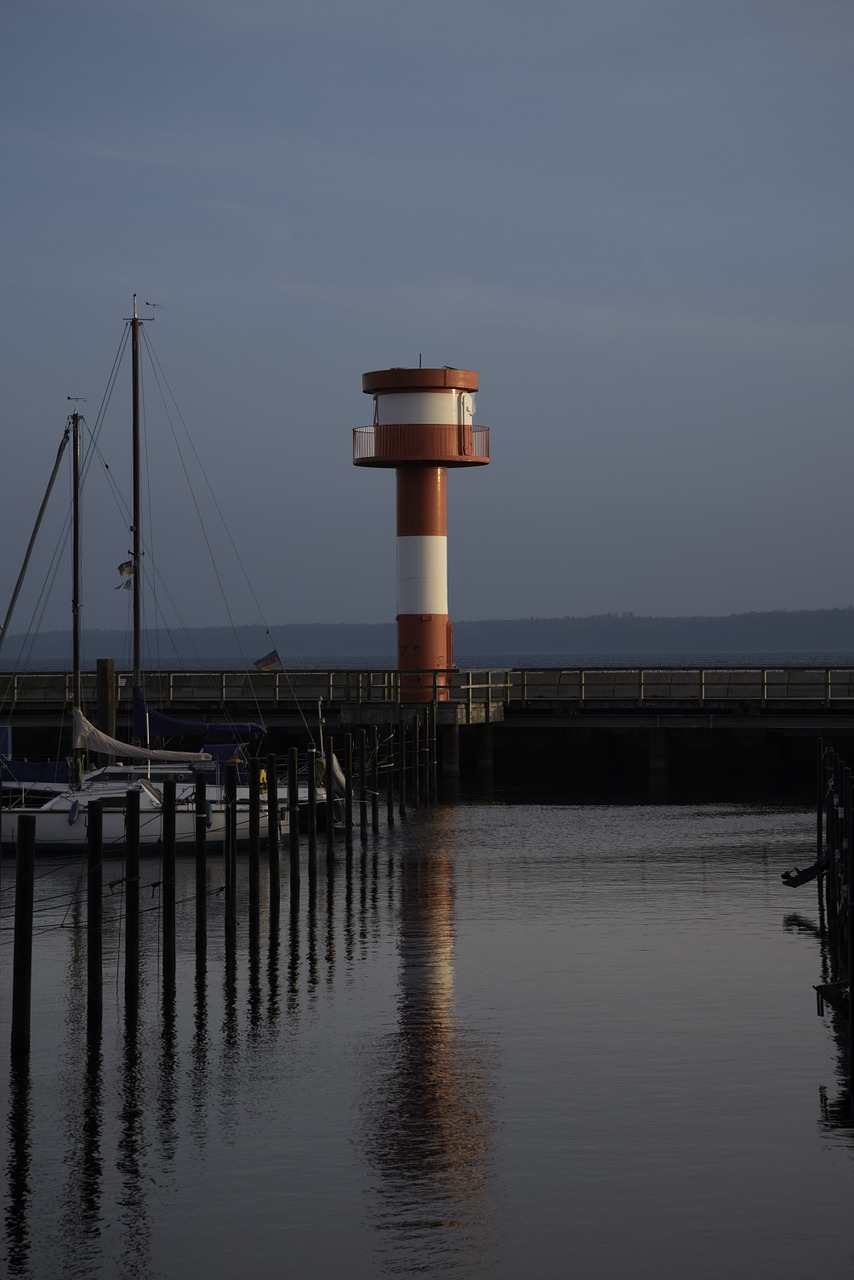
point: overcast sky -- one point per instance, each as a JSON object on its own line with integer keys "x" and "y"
{"x": 632, "y": 217}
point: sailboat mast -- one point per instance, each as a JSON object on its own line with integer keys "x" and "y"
{"x": 76, "y": 558}
{"x": 137, "y": 510}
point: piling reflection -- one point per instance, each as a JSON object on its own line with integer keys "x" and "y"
{"x": 273, "y": 1007}
{"x": 430, "y": 1118}
{"x": 167, "y": 1093}
{"x": 134, "y": 1217}
{"x": 293, "y": 959}
{"x": 229, "y": 1057}
{"x": 199, "y": 1069}
{"x": 83, "y": 1216}
{"x": 835, "y": 1112}
{"x": 17, "y": 1224}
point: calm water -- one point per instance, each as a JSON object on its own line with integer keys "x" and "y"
{"x": 509, "y": 1041}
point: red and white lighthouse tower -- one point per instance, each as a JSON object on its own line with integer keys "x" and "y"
{"x": 423, "y": 424}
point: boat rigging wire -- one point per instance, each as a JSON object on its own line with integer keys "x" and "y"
{"x": 20, "y": 582}
{"x": 163, "y": 382}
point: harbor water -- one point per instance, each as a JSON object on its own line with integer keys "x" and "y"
{"x": 499, "y": 1040}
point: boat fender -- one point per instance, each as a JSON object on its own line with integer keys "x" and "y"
{"x": 73, "y": 812}
{"x": 208, "y": 814}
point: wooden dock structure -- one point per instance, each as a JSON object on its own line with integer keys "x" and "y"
{"x": 662, "y": 731}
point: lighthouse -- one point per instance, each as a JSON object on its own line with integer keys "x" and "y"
{"x": 423, "y": 424}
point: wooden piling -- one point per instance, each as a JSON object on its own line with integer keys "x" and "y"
{"x": 434, "y": 753}
{"x": 169, "y": 850}
{"x": 311, "y": 770}
{"x": 348, "y": 790}
{"x": 849, "y": 917}
{"x": 94, "y": 918}
{"x": 254, "y": 840}
{"x": 273, "y": 830}
{"x": 230, "y": 851}
{"x": 832, "y": 886}
{"x": 293, "y": 814}
{"x": 105, "y": 697}
{"x": 200, "y": 808}
{"x": 375, "y": 780}
{"x": 22, "y": 963}
{"x": 131, "y": 902}
{"x": 819, "y": 813}
{"x": 329, "y": 780}
{"x": 401, "y": 774}
{"x": 363, "y": 785}
{"x": 389, "y": 777}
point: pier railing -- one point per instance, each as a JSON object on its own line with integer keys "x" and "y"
{"x": 637, "y": 686}
{"x": 696, "y": 686}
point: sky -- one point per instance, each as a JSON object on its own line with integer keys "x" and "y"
{"x": 631, "y": 217}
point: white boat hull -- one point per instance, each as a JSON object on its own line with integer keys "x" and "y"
{"x": 62, "y": 824}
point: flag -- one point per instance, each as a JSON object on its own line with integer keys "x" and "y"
{"x": 270, "y": 662}
{"x": 126, "y": 570}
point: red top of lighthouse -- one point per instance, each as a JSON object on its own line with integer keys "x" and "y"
{"x": 383, "y": 380}
{"x": 422, "y": 417}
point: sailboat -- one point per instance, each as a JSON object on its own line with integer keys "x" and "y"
{"x": 61, "y": 811}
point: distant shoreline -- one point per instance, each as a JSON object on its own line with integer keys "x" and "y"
{"x": 822, "y": 636}
{"x": 475, "y": 662}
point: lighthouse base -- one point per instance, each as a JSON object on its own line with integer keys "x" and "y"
{"x": 424, "y": 656}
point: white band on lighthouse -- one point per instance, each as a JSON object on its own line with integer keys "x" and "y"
{"x": 422, "y": 574}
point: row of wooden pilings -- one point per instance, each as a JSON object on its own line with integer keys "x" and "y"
{"x": 399, "y": 768}
{"x": 835, "y": 840}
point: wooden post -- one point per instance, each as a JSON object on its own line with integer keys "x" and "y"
{"x": 329, "y": 779}
{"x": 819, "y": 816}
{"x": 293, "y": 814}
{"x": 401, "y": 775}
{"x": 389, "y": 777}
{"x": 831, "y": 887}
{"x": 254, "y": 840}
{"x": 22, "y": 963}
{"x": 311, "y": 768}
{"x": 849, "y": 916}
{"x": 132, "y": 902}
{"x": 230, "y": 851}
{"x": 273, "y": 830}
{"x": 434, "y": 752}
{"x": 94, "y": 918}
{"x": 105, "y": 697}
{"x": 348, "y": 790}
{"x": 201, "y": 831}
{"x": 375, "y": 780}
{"x": 416, "y": 761}
{"x": 363, "y": 785}
{"x": 169, "y": 879}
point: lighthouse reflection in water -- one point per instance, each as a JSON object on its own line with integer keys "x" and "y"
{"x": 429, "y": 1106}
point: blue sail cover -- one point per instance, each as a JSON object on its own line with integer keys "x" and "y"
{"x": 34, "y": 770}
{"x": 151, "y": 724}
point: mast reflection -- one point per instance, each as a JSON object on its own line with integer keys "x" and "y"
{"x": 430, "y": 1110}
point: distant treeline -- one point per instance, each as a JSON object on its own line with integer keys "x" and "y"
{"x": 802, "y": 631}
